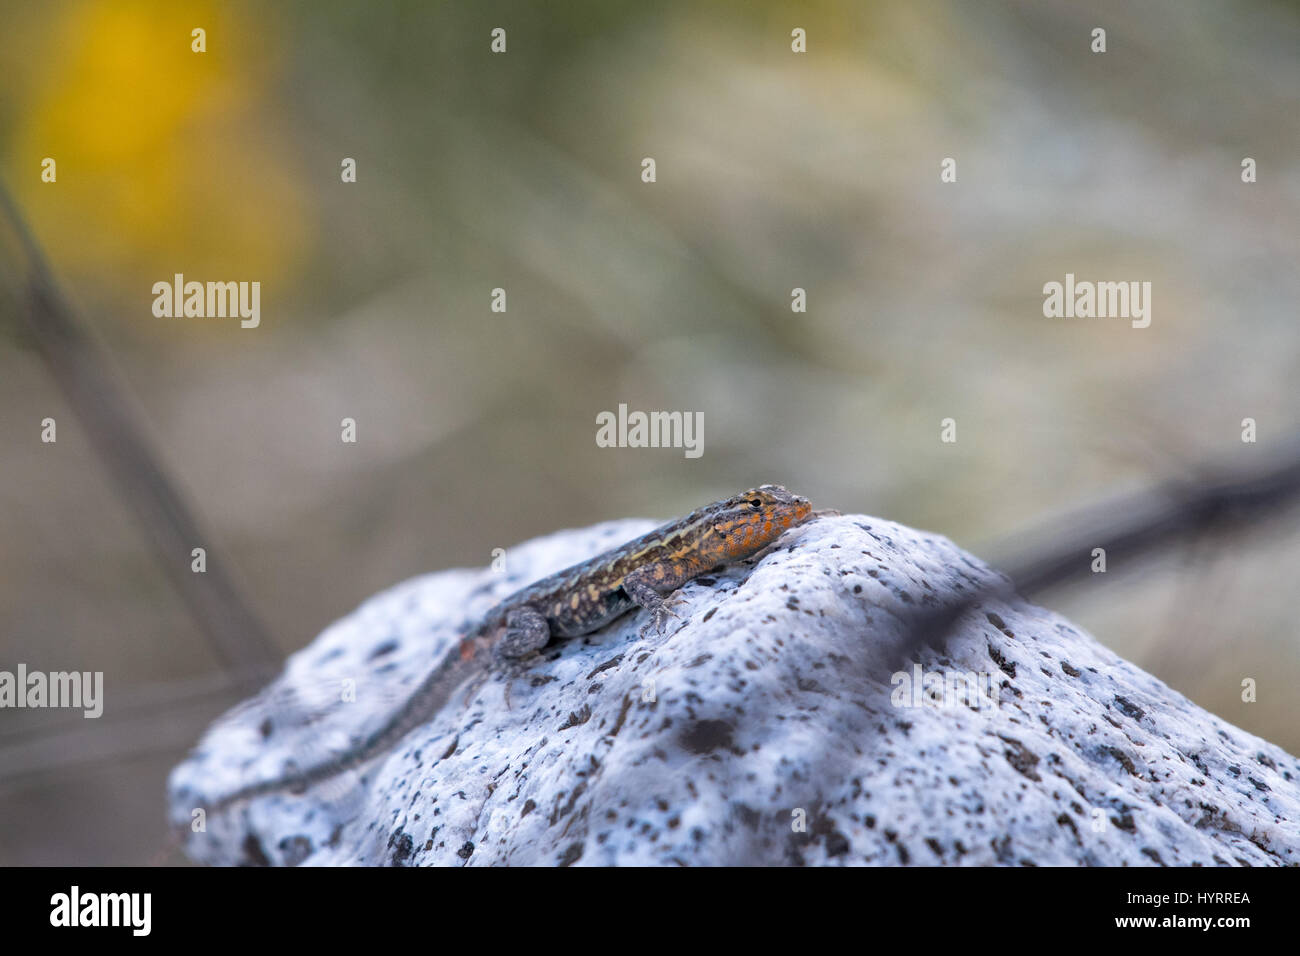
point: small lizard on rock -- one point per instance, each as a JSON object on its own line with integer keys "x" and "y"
{"x": 576, "y": 601}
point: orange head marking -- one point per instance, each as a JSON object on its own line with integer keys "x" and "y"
{"x": 751, "y": 521}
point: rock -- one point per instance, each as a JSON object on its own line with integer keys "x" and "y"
{"x": 761, "y": 732}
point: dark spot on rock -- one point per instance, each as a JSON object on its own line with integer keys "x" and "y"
{"x": 529, "y": 806}
{"x": 576, "y": 717}
{"x": 1021, "y": 758}
{"x": 997, "y": 622}
{"x": 622, "y": 715}
{"x": 466, "y": 850}
{"x": 1149, "y": 851}
{"x": 387, "y": 647}
{"x": 1124, "y": 759}
{"x": 1128, "y": 708}
{"x": 1125, "y": 822}
{"x": 402, "y": 846}
{"x": 1208, "y": 817}
{"x": 1065, "y": 821}
{"x": 295, "y": 848}
{"x": 1072, "y": 671}
{"x": 265, "y": 727}
{"x": 708, "y": 615}
{"x": 1002, "y": 848}
{"x": 705, "y": 736}
{"x": 837, "y": 844}
{"x": 561, "y": 811}
{"x": 1265, "y": 760}
{"x": 1007, "y": 667}
{"x": 748, "y": 815}
{"x": 451, "y": 749}
{"x": 612, "y": 662}
{"x": 253, "y": 852}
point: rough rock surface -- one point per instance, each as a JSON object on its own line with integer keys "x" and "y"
{"x": 759, "y": 733}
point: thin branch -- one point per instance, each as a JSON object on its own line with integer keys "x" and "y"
{"x": 1130, "y": 529}
{"x": 83, "y": 368}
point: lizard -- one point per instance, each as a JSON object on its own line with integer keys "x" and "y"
{"x": 642, "y": 573}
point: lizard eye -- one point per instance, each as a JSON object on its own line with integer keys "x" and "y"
{"x": 755, "y": 503}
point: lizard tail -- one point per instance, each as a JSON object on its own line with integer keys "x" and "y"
{"x": 470, "y": 657}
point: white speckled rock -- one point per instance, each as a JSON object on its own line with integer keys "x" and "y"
{"x": 755, "y": 734}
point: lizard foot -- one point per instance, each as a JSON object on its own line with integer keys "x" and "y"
{"x": 473, "y": 687}
{"x": 659, "y": 618}
{"x": 513, "y": 669}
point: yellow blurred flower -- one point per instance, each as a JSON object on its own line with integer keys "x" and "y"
{"x": 168, "y": 160}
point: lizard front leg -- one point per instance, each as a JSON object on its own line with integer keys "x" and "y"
{"x": 647, "y": 586}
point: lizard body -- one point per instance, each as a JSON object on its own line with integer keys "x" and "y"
{"x": 575, "y": 601}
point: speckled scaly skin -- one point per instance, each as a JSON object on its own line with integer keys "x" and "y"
{"x": 578, "y": 600}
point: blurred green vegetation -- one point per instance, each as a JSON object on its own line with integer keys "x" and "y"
{"x": 522, "y": 171}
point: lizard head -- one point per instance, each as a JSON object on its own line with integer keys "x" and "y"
{"x": 751, "y": 521}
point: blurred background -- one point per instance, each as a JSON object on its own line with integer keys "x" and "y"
{"x": 522, "y": 171}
